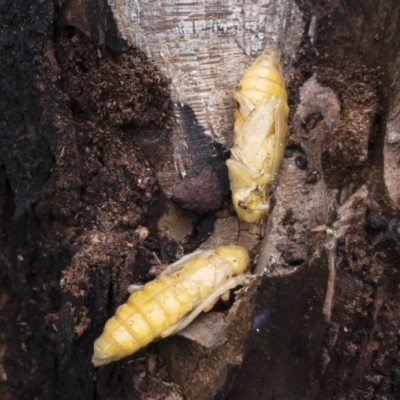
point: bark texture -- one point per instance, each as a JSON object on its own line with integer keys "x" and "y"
{"x": 109, "y": 169}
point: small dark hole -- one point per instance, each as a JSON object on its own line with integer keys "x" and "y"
{"x": 301, "y": 162}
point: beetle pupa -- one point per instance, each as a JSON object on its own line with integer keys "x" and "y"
{"x": 260, "y": 136}
{"x": 169, "y": 303}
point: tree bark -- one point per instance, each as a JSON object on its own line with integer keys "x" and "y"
{"x": 114, "y": 125}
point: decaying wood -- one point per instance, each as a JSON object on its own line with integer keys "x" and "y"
{"x": 226, "y": 230}
{"x": 203, "y": 49}
{"x": 351, "y": 213}
{"x": 216, "y": 360}
{"x": 391, "y": 154}
{"x": 229, "y": 230}
{"x": 87, "y": 140}
{"x": 303, "y": 198}
{"x": 174, "y": 225}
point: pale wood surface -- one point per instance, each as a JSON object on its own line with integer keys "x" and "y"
{"x": 205, "y": 46}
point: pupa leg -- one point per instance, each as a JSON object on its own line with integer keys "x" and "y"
{"x": 246, "y": 107}
{"x": 281, "y": 133}
{"x": 241, "y": 168}
{"x": 241, "y": 172}
{"x": 225, "y": 296}
{"x": 171, "y": 269}
{"x": 134, "y": 288}
{"x": 187, "y": 319}
{"x": 178, "y": 265}
{"x": 257, "y": 127}
{"x": 210, "y": 305}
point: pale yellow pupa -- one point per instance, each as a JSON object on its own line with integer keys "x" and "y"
{"x": 169, "y": 303}
{"x": 260, "y": 136}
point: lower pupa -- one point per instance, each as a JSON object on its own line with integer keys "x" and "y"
{"x": 260, "y": 136}
{"x": 169, "y": 303}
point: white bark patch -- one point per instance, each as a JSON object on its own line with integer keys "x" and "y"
{"x": 205, "y": 46}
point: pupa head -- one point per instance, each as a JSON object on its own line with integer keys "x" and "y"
{"x": 250, "y": 204}
{"x": 237, "y": 256}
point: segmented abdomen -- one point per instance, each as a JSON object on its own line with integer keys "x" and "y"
{"x": 259, "y": 82}
{"x": 147, "y": 314}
